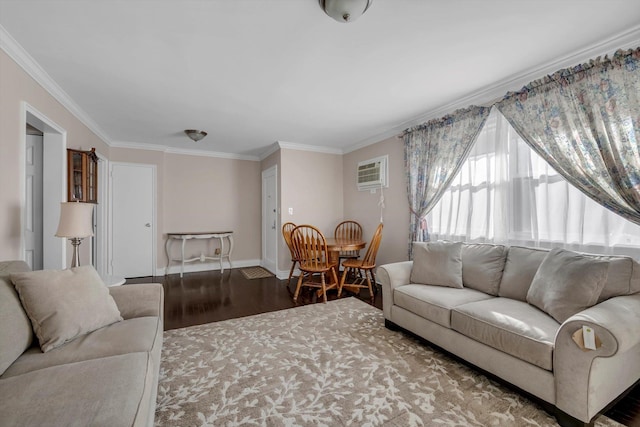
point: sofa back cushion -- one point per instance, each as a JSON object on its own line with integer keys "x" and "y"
{"x": 437, "y": 263}
{"x": 623, "y": 276}
{"x": 566, "y": 283}
{"x": 520, "y": 268}
{"x": 482, "y": 266}
{"x": 16, "y": 334}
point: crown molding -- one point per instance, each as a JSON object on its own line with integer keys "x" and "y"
{"x": 314, "y": 148}
{"x": 205, "y": 153}
{"x": 490, "y": 94}
{"x": 33, "y": 69}
{"x": 485, "y": 96}
{"x": 269, "y": 151}
{"x": 184, "y": 151}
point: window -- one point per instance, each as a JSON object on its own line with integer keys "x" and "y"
{"x": 506, "y": 193}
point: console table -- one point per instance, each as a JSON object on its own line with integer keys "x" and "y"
{"x": 221, "y": 235}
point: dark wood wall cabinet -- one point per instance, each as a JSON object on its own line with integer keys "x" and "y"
{"x": 82, "y": 179}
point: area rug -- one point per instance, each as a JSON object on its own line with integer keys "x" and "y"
{"x": 256, "y": 273}
{"x": 331, "y": 364}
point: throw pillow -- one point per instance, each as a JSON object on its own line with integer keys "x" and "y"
{"x": 567, "y": 283}
{"x": 63, "y": 305}
{"x": 437, "y": 263}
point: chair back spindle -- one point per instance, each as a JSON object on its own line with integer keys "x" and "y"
{"x": 310, "y": 246}
{"x": 348, "y": 230}
{"x": 287, "y": 229}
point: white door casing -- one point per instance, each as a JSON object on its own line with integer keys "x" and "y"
{"x": 270, "y": 224}
{"x": 132, "y": 199}
{"x": 54, "y": 185}
{"x": 100, "y": 239}
{"x": 33, "y": 249}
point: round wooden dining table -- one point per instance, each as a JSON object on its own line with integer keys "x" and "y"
{"x": 335, "y": 246}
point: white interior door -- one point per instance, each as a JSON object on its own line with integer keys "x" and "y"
{"x": 33, "y": 247}
{"x": 132, "y": 219}
{"x": 270, "y": 226}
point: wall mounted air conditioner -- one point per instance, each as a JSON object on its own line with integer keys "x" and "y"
{"x": 373, "y": 173}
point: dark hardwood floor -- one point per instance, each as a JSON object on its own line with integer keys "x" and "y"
{"x": 210, "y": 296}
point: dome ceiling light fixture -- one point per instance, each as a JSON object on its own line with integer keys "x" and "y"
{"x": 195, "y": 135}
{"x": 345, "y": 10}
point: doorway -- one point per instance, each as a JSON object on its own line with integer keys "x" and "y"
{"x": 132, "y": 200}
{"x": 46, "y": 206}
{"x": 270, "y": 224}
{"x": 33, "y": 198}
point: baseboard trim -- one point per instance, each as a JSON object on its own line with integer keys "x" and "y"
{"x": 196, "y": 267}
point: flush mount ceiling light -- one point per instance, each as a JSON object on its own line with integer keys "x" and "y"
{"x": 345, "y": 10}
{"x": 196, "y": 135}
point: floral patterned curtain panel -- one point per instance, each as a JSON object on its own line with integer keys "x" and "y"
{"x": 585, "y": 122}
{"x": 433, "y": 154}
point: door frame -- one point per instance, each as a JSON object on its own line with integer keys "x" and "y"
{"x": 101, "y": 211}
{"x": 154, "y": 196}
{"x": 54, "y": 168}
{"x": 272, "y": 171}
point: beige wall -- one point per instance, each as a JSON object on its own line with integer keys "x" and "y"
{"x": 214, "y": 194}
{"x": 362, "y": 206}
{"x": 16, "y": 87}
{"x": 312, "y": 186}
{"x": 203, "y": 194}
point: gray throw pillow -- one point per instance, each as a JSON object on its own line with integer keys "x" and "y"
{"x": 437, "y": 263}
{"x": 65, "y": 304}
{"x": 567, "y": 283}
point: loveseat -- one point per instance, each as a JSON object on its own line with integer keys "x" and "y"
{"x": 104, "y": 377}
{"x": 518, "y": 313}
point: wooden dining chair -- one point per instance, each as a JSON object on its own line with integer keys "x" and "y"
{"x": 310, "y": 245}
{"x": 287, "y": 229}
{"x": 364, "y": 267}
{"x": 348, "y": 230}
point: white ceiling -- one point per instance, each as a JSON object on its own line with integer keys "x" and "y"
{"x": 253, "y": 72}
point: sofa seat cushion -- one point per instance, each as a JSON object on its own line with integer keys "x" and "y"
{"x": 141, "y": 334}
{"x": 101, "y": 392}
{"x": 434, "y": 303}
{"x": 511, "y": 326}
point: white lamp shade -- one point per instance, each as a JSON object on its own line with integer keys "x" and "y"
{"x": 346, "y": 10}
{"x": 75, "y": 220}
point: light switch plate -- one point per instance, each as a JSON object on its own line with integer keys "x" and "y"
{"x": 589, "y": 337}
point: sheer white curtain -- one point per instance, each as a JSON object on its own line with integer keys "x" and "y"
{"x": 506, "y": 193}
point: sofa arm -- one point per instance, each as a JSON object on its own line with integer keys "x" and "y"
{"x": 139, "y": 300}
{"x": 391, "y": 276}
{"x": 616, "y": 322}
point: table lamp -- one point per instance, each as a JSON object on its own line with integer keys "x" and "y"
{"x": 75, "y": 224}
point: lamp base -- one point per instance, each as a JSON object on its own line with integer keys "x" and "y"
{"x": 75, "y": 259}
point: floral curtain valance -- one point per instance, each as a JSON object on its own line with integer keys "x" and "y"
{"x": 585, "y": 122}
{"x": 433, "y": 154}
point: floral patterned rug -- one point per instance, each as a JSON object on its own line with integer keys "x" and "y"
{"x": 328, "y": 364}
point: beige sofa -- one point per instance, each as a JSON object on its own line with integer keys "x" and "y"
{"x": 489, "y": 323}
{"x": 108, "y": 377}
